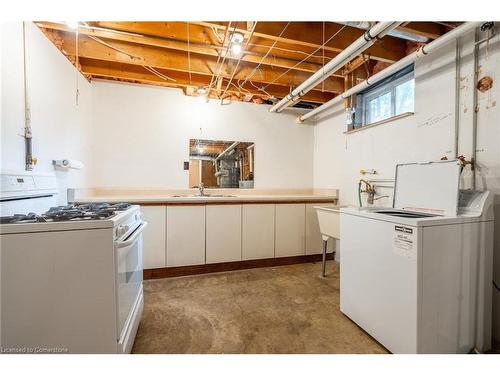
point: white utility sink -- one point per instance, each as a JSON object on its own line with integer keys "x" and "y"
{"x": 329, "y": 221}
{"x": 329, "y": 226}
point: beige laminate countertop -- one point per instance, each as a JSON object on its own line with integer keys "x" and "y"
{"x": 169, "y": 199}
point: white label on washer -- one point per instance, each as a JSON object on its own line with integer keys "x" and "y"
{"x": 403, "y": 241}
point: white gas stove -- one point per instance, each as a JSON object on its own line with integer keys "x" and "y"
{"x": 71, "y": 276}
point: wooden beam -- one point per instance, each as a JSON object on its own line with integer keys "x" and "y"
{"x": 177, "y": 61}
{"x": 355, "y": 64}
{"x": 180, "y": 45}
{"x": 310, "y": 34}
{"x": 206, "y": 35}
{"x": 429, "y": 30}
{"x": 300, "y": 38}
{"x": 131, "y": 72}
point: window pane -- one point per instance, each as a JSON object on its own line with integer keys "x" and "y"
{"x": 379, "y": 108}
{"x": 405, "y": 97}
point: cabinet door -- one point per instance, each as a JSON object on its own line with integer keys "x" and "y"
{"x": 154, "y": 236}
{"x": 185, "y": 235}
{"x": 223, "y": 233}
{"x": 257, "y": 240}
{"x": 314, "y": 243}
{"x": 290, "y": 229}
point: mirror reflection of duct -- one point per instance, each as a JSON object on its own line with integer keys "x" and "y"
{"x": 228, "y": 171}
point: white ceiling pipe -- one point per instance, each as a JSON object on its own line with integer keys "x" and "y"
{"x": 227, "y": 150}
{"x": 404, "y": 62}
{"x": 364, "y": 25}
{"x": 353, "y": 50}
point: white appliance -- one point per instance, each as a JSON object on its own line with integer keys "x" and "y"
{"x": 71, "y": 278}
{"x": 26, "y": 192}
{"x": 418, "y": 276}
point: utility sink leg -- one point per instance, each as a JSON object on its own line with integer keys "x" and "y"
{"x": 325, "y": 246}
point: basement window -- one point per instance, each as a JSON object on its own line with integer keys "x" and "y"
{"x": 392, "y": 97}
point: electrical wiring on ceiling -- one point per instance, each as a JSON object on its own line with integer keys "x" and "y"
{"x": 307, "y": 57}
{"x": 159, "y": 74}
{"x": 239, "y": 60}
{"x": 218, "y": 59}
{"x": 99, "y": 40}
{"x": 267, "y": 54}
{"x": 188, "y": 53}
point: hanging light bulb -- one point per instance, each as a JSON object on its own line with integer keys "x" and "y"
{"x": 237, "y": 38}
{"x": 236, "y": 43}
{"x": 236, "y": 49}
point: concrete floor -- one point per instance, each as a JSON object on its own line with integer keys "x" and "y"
{"x": 288, "y": 309}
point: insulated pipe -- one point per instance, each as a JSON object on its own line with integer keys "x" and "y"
{"x": 227, "y": 150}
{"x": 457, "y": 96}
{"x": 353, "y": 50}
{"x": 474, "y": 107}
{"x": 364, "y": 25}
{"x": 404, "y": 62}
{"x": 28, "y": 136}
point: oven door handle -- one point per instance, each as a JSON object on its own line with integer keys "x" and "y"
{"x": 134, "y": 236}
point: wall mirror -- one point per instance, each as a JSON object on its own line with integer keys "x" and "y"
{"x": 221, "y": 164}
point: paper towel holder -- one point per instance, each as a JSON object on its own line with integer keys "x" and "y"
{"x": 66, "y": 164}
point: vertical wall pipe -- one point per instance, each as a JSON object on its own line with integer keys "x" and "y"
{"x": 28, "y": 146}
{"x": 475, "y": 108}
{"x": 457, "y": 95}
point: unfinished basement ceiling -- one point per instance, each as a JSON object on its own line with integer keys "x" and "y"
{"x": 276, "y": 56}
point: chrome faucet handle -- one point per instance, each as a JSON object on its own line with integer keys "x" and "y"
{"x": 201, "y": 188}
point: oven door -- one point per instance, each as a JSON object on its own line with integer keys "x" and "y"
{"x": 129, "y": 276}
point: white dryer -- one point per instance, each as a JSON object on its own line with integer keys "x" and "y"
{"x": 418, "y": 276}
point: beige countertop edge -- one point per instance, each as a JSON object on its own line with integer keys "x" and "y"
{"x": 198, "y": 200}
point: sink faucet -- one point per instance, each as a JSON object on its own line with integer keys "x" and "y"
{"x": 201, "y": 189}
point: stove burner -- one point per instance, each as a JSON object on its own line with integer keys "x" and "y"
{"x": 29, "y": 218}
{"x": 88, "y": 211}
{"x": 102, "y": 206}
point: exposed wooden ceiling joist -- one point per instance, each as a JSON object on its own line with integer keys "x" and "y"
{"x": 176, "y": 61}
{"x": 212, "y": 35}
{"x": 275, "y": 59}
{"x": 137, "y": 73}
{"x": 389, "y": 49}
{"x": 429, "y": 30}
{"x": 180, "y": 45}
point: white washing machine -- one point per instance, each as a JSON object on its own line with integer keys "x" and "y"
{"x": 418, "y": 276}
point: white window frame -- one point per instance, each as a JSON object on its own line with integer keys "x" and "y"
{"x": 379, "y": 91}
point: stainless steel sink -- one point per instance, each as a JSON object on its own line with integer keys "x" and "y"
{"x": 203, "y": 196}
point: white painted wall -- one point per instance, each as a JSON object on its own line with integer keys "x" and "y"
{"x": 142, "y": 137}
{"x": 427, "y": 135}
{"x": 61, "y": 129}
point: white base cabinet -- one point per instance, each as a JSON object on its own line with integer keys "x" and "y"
{"x": 290, "y": 230}
{"x": 200, "y": 234}
{"x": 257, "y": 237}
{"x": 154, "y": 236}
{"x": 223, "y": 233}
{"x": 185, "y": 235}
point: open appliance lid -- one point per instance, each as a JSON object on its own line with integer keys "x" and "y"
{"x": 431, "y": 187}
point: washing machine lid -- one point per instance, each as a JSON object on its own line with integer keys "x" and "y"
{"x": 431, "y": 187}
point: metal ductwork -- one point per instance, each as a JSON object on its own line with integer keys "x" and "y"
{"x": 355, "y": 49}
